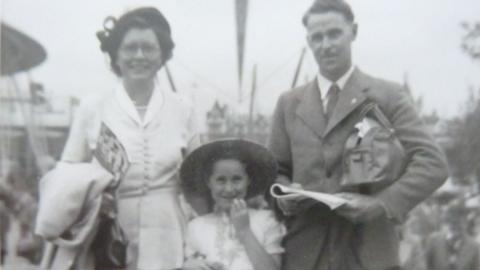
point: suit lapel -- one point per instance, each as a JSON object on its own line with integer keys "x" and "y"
{"x": 310, "y": 109}
{"x": 349, "y": 99}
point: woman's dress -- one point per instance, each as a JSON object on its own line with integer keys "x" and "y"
{"x": 149, "y": 207}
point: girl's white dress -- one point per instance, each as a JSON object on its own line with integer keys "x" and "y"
{"x": 212, "y": 237}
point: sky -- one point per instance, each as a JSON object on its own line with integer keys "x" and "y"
{"x": 417, "y": 41}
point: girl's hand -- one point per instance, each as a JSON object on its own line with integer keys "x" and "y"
{"x": 239, "y": 216}
{"x": 201, "y": 264}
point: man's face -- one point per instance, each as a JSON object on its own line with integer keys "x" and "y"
{"x": 330, "y": 37}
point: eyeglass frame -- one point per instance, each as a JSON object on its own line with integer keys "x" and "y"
{"x": 148, "y": 50}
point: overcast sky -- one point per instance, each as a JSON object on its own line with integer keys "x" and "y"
{"x": 417, "y": 39}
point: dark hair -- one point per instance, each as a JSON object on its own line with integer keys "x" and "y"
{"x": 323, "y": 6}
{"x": 225, "y": 155}
{"x": 143, "y": 18}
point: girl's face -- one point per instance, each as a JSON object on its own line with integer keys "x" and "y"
{"x": 139, "y": 55}
{"x": 228, "y": 181}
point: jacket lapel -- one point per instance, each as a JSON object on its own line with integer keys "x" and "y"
{"x": 310, "y": 109}
{"x": 349, "y": 99}
{"x": 155, "y": 105}
{"x": 126, "y": 104}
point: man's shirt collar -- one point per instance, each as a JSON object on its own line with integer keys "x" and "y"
{"x": 324, "y": 84}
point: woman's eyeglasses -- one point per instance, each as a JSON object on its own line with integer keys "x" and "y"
{"x": 148, "y": 50}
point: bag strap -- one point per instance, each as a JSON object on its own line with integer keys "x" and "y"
{"x": 382, "y": 117}
{"x": 377, "y": 112}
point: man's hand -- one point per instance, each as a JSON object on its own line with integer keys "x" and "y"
{"x": 360, "y": 208}
{"x": 201, "y": 264}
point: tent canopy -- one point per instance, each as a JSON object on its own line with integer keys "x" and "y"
{"x": 19, "y": 52}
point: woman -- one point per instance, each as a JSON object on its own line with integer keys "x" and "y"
{"x": 154, "y": 125}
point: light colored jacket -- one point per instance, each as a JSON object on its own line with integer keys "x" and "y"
{"x": 148, "y": 206}
{"x": 154, "y": 145}
{"x": 70, "y": 200}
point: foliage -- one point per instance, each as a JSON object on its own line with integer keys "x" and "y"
{"x": 463, "y": 151}
{"x": 471, "y": 40}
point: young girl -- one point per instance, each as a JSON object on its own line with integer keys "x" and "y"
{"x": 231, "y": 236}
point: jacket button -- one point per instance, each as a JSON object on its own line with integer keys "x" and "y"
{"x": 329, "y": 174}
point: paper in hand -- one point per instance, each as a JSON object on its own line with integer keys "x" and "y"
{"x": 280, "y": 191}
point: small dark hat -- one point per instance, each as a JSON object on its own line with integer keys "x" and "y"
{"x": 150, "y": 14}
{"x": 260, "y": 165}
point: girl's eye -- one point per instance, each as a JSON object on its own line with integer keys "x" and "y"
{"x": 237, "y": 178}
{"x": 221, "y": 179}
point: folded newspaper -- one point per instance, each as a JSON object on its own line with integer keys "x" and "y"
{"x": 280, "y": 191}
{"x": 111, "y": 153}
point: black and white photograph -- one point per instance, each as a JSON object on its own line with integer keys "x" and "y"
{"x": 240, "y": 135}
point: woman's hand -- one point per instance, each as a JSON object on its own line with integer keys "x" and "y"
{"x": 239, "y": 216}
{"x": 201, "y": 264}
{"x": 108, "y": 205}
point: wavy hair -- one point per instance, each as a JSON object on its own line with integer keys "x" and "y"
{"x": 114, "y": 31}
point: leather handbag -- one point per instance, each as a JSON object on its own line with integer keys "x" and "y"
{"x": 373, "y": 157}
{"x": 110, "y": 244}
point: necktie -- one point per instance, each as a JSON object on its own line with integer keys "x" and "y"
{"x": 332, "y": 98}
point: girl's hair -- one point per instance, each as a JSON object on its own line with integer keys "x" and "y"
{"x": 142, "y": 18}
{"x": 230, "y": 155}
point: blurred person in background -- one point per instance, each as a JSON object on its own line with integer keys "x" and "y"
{"x": 17, "y": 215}
{"x": 452, "y": 248}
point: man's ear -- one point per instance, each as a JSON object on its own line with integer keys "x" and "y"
{"x": 354, "y": 30}
{"x": 307, "y": 38}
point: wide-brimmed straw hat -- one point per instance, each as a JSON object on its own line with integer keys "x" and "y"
{"x": 260, "y": 165}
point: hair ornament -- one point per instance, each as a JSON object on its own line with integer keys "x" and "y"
{"x": 105, "y": 34}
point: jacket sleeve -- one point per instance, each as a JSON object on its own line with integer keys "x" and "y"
{"x": 76, "y": 148}
{"x": 426, "y": 167}
{"x": 279, "y": 141}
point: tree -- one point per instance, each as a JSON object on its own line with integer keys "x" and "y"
{"x": 471, "y": 40}
{"x": 463, "y": 151}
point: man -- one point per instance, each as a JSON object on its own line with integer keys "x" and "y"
{"x": 309, "y": 130}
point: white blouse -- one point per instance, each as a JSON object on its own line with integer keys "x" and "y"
{"x": 213, "y": 236}
{"x": 154, "y": 145}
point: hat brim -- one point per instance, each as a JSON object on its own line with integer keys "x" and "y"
{"x": 261, "y": 163}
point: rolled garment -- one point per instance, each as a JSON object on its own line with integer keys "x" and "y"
{"x": 70, "y": 195}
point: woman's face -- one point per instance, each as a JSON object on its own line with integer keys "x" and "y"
{"x": 139, "y": 55}
{"x": 228, "y": 181}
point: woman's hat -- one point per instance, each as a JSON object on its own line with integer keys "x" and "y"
{"x": 260, "y": 164}
{"x": 150, "y": 14}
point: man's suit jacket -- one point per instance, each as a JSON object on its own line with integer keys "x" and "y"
{"x": 309, "y": 151}
{"x": 438, "y": 254}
